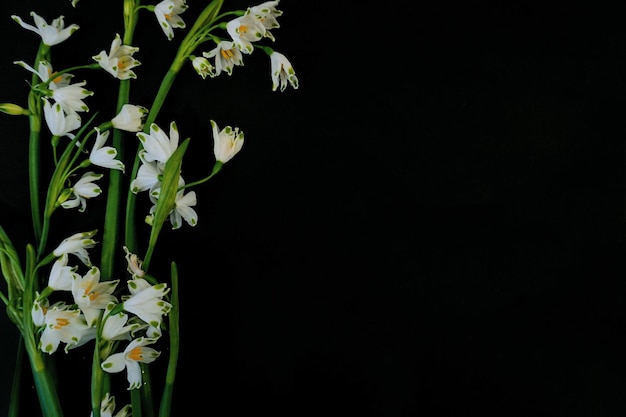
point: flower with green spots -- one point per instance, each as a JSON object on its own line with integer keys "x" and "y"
{"x": 51, "y": 34}
{"x": 135, "y": 353}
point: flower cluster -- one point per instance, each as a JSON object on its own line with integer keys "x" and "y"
{"x": 68, "y": 297}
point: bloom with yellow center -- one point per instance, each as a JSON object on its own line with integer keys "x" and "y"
{"x": 119, "y": 62}
{"x": 91, "y": 295}
{"x": 136, "y": 352}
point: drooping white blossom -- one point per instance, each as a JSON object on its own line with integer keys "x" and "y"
{"x": 226, "y": 143}
{"x": 45, "y": 72}
{"x": 91, "y": 295}
{"x": 146, "y": 301}
{"x": 116, "y": 326}
{"x": 157, "y": 146}
{"x": 64, "y": 324}
{"x": 244, "y": 30}
{"x": 51, "y": 34}
{"x": 104, "y": 156}
{"x": 168, "y": 15}
{"x": 183, "y": 204}
{"x": 136, "y": 352}
{"x": 148, "y": 177}
{"x": 282, "y": 72}
{"x": 60, "y": 123}
{"x": 119, "y": 62}
{"x": 107, "y": 405}
{"x": 61, "y": 275}
{"x": 71, "y": 96}
{"x": 203, "y": 67}
{"x": 134, "y": 264}
{"x": 84, "y": 189}
{"x": 266, "y": 13}
{"x": 130, "y": 118}
{"x": 77, "y": 245}
{"x": 226, "y": 55}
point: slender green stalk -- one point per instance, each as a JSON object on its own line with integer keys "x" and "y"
{"x": 174, "y": 331}
{"x": 34, "y": 106}
{"x": 44, "y": 384}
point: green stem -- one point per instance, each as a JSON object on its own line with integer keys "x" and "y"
{"x": 174, "y": 331}
{"x": 111, "y": 220}
{"x": 44, "y": 383}
{"x": 34, "y": 106}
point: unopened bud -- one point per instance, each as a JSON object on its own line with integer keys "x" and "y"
{"x": 13, "y": 109}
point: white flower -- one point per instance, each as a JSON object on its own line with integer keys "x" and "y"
{"x": 61, "y": 275}
{"x": 115, "y": 326}
{"x": 167, "y": 13}
{"x": 91, "y": 295}
{"x": 130, "y": 118}
{"x": 104, "y": 156}
{"x": 44, "y": 72}
{"x": 282, "y": 72}
{"x": 119, "y": 61}
{"x": 50, "y": 34}
{"x": 107, "y": 405}
{"x": 244, "y": 30}
{"x": 60, "y": 123}
{"x": 226, "y": 143}
{"x": 226, "y": 55}
{"x": 266, "y": 13}
{"x": 38, "y": 312}
{"x": 182, "y": 206}
{"x": 203, "y": 67}
{"x": 157, "y": 146}
{"x": 77, "y": 245}
{"x": 146, "y": 301}
{"x": 63, "y": 324}
{"x": 83, "y": 189}
{"x": 71, "y": 96}
{"x": 147, "y": 178}
{"x": 134, "y": 264}
{"x": 136, "y": 351}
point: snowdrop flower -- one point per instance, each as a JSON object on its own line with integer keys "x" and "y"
{"x": 61, "y": 275}
{"x": 71, "y": 96}
{"x": 91, "y": 295}
{"x": 44, "y": 72}
{"x": 146, "y": 301}
{"x": 136, "y": 352}
{"x": 244, "y": 30}
{"x": 226, "y": 143}
{"x": 182, "y": 206}
{"x": 282, "y": 72}
{"x": 130, "y": 118}
{"x": 168, "y": 14}
{"x": 38, "y": 312}
{"x": 157, "y": 146}
{"x": 116, "y": 326}
{"x": 266, "y": 13}
{"x": 77, "y": 245}
{"x": 226, "y": 55}
{"x": 203, "y": 67}
{"x": 58, "y": 122}
{"x": 147, "y": 178}
{"x": 104, "y": 156}
{"x": 133, "y": 264}
{"x": 50, "y": 34}
{"x": 66, "y": 325}
{"x": 84, "y": 189}
{"x": 119, "y": 61}
{"x": 107, "y": 405}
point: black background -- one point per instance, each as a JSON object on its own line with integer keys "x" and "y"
{"x": 432, "y": 225}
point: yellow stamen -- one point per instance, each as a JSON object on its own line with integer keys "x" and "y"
{"x": 136, "y": 354}
{"x": 227, "y": 53}
{"x": 61, "y": 322}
